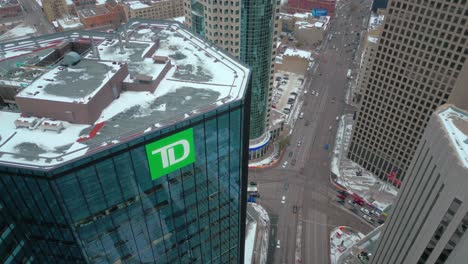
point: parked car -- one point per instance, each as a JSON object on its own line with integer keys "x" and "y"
{"x": 364, "y": 210}
{"x": 343, "y": 192}
{"x": 380, "y": 221}
{"x": 301, "y": 115}
{"x": 342, "y": 197}
{"x": 360, "y": 202}
{"x": 252, "y": 183}
{"x": 376, "y": 213}
{"x": 368, "y": 219}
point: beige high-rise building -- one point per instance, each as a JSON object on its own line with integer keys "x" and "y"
{"x": 430, "y": 217}
{"x": 419, "y": 61}
{"x": 54, "y": 9}
{"x": 369, "y": 46}
{"x": 218, "y": 21}
{"x": 156, "y": 9}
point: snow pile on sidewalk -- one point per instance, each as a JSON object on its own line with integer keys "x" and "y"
{"x": 267, "y": 160}
{"x": 342, "y": 238}
{"x": 18, "y": 31}
{"x": 355, "y": 178}
{"x": 251, "y": 230}
{"x": 263, "y": 231}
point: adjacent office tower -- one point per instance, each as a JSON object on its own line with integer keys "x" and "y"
{"x": 248, "y": 30}
{"x": 130, "y": 149}
{"x": 420, "y": 58}
{"x": 54, "y": 9}
{"x": 430, "y": 218}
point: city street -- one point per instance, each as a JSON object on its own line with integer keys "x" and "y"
{"x": 305, "y": 180}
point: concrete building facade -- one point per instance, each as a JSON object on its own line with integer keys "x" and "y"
{"x": 420, "y": 56}
{"x": 369, "y": 51}
{"x": 247, "y": 30}
{"x": 430, "y": 217}
{"x": 54, "y": 9}
{"x": 160, "y": 9}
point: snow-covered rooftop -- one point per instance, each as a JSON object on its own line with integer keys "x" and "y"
{"x": 19, "y": 31}
{"x": 297, "y": 53}
{"x": 372, "y": 39}
{"x": 74, "y": 84}
{"x": 68, "y": 23}
{"x": 375, "y": 21}
{"x": 202, "y": 78}
{"x": 456, "y": 124}
{"x": 137, "y": 5}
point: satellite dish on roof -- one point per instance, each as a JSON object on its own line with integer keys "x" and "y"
{"x": 70, "y": 59}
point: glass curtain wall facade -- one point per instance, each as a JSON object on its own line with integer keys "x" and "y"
{"x": 105, "y": 208}
{"x": 257, "y": 31}
{"x": 198, "y": 18}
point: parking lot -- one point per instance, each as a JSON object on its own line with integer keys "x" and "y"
{"x": 288, "y": 87}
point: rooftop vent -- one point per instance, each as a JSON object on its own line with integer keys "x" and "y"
{"x": 70, "y": 59}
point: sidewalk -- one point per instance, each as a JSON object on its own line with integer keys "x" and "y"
{"x": 268, "y": 161}
{"x": 346, "y": 173}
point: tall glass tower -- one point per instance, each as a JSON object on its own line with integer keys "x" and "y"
{"x": 159, "y": 177}
{"x": 247, "y": 30}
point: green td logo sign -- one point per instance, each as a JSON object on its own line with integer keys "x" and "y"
{"x": 171, "y": 153}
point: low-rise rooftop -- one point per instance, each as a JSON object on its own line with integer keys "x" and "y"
{"x": 77, "y": 83}
{"x": 197, "y": 78}
{"x": 90, "y": 11}
{"x": 455, "y": 122}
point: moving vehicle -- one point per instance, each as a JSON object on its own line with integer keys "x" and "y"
{"x": 301, "y": 115}
{"x": 283, "y": 199}
{"x": 278, "y": 244}
{"x": 295, "y": 209}
{"x": 285, "y": 164}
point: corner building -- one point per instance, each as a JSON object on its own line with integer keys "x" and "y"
{"x": 429, "y": 220}
{"x": 159, "y": 177}
{"x": 419, "y": 64}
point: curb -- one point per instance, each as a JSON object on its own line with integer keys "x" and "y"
{"x": 271, "y": 164}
